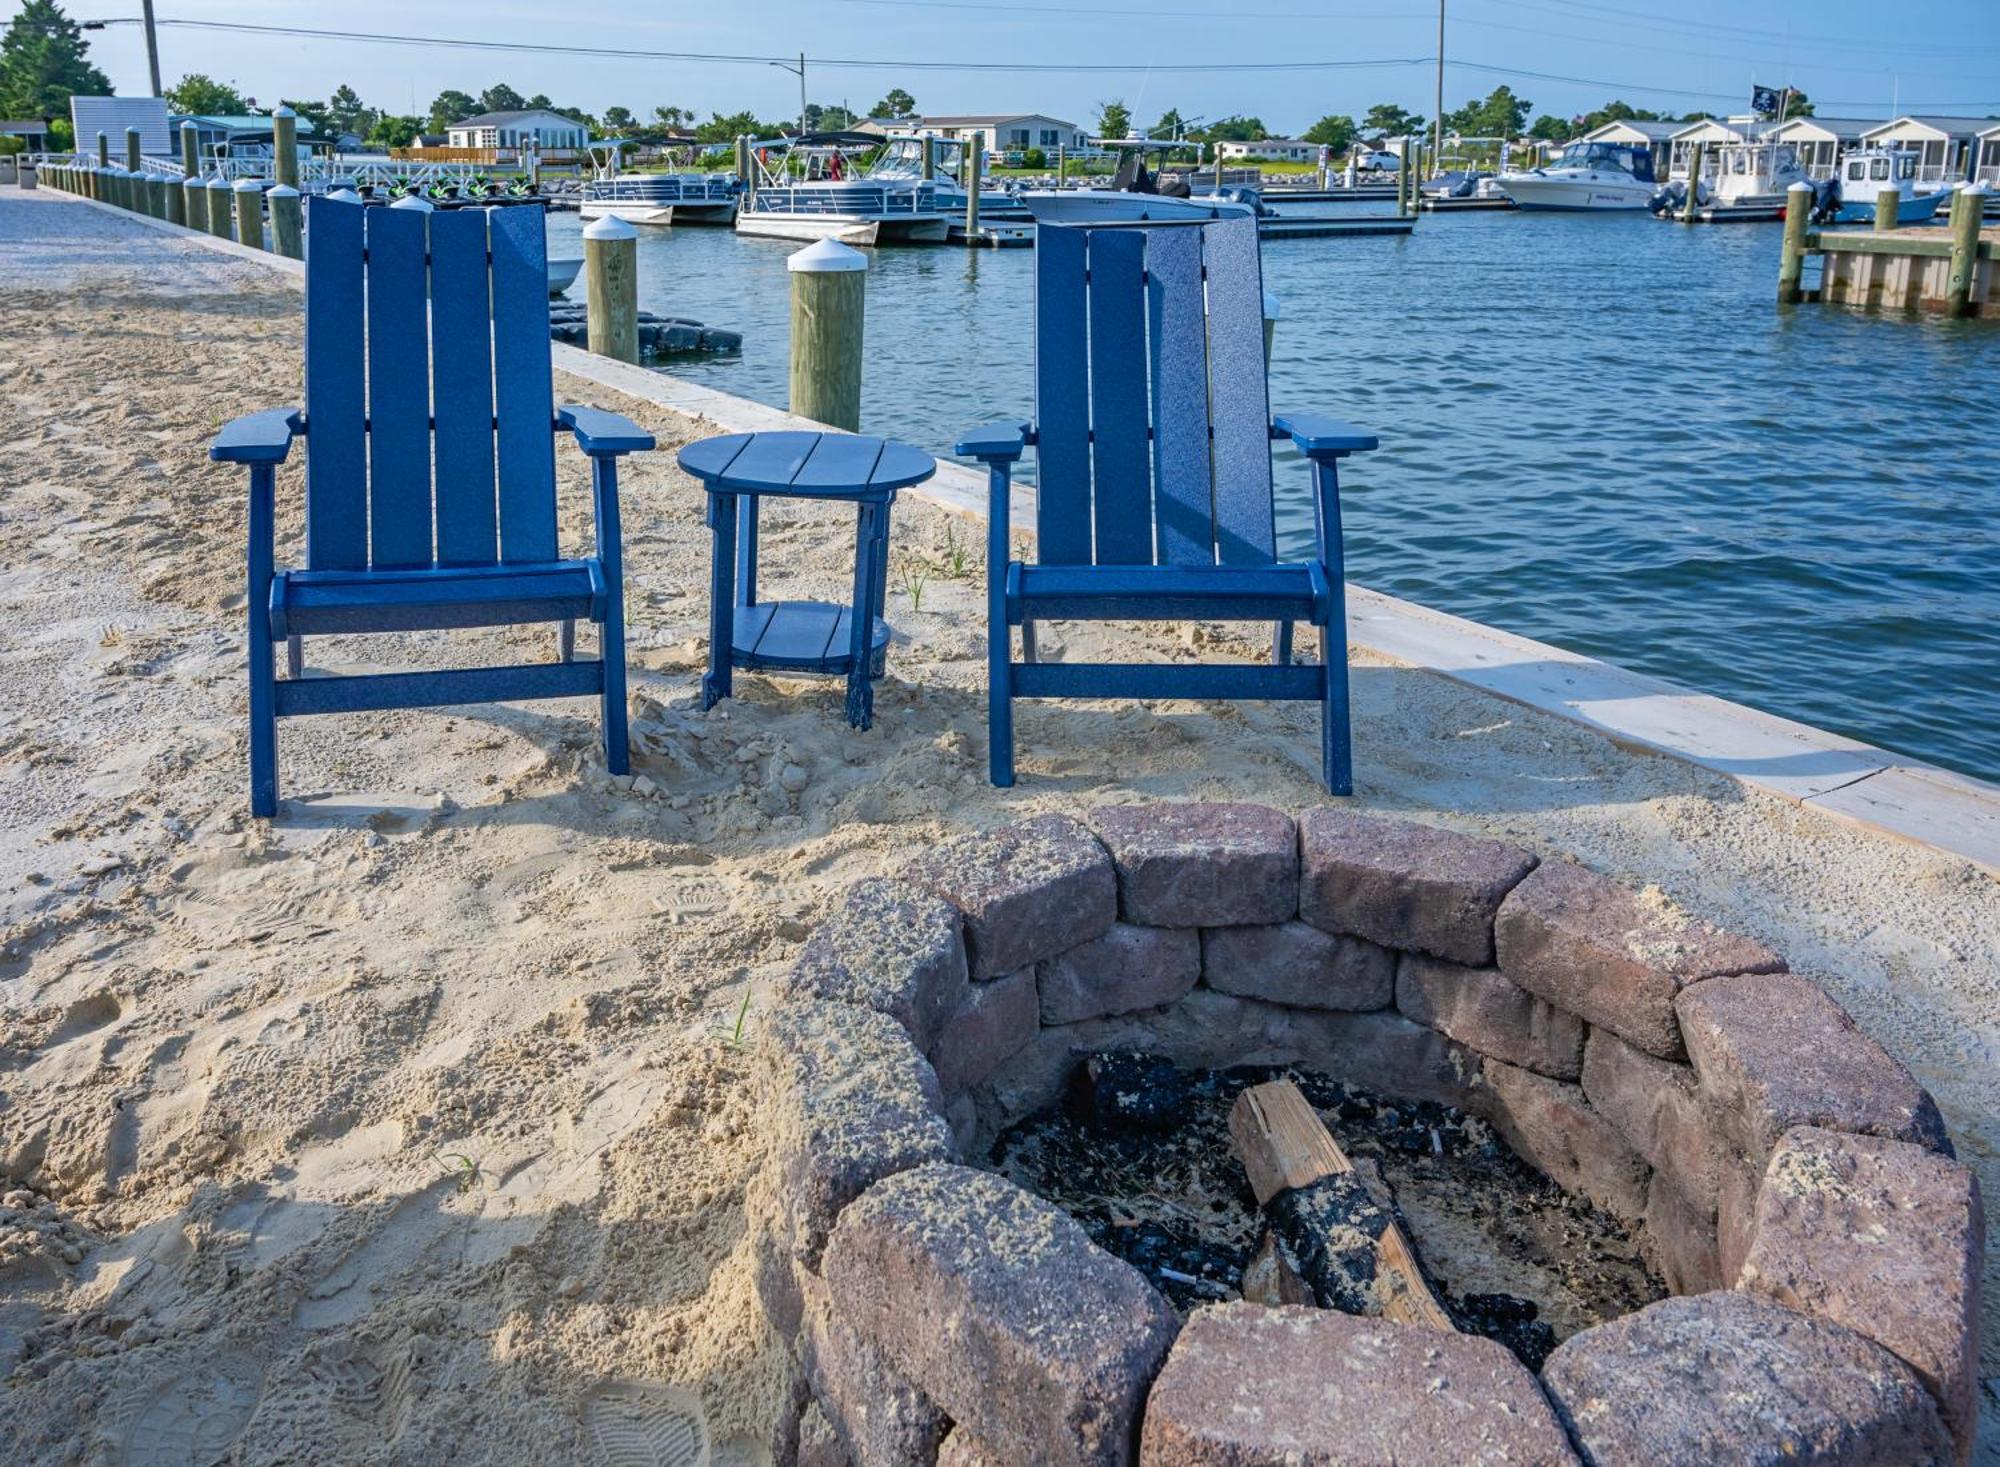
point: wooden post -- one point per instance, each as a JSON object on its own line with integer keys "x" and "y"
{"x": 173, "y": 199}
{"x": 194, "y": 202}
{"x": 1968, "y": 208}
{"x": 100, "y": 183}
{"x": 1402, "y": 181}
{"x": 746, "y": 168}
{"x": 1887, "y": 203}
{"x": 218, "y": 207}
{"x": 611, "y": 281}
{"x": 135, "y": 180}
{"x": 285, "y": 148}
{"x": 975, "y": 157}
{"x": 929, "y": 166}
{"x": 159, "y": 194}
{"x": 287, "y": 222}
{"x": 1792, "y": 256}
{"x": 829, "y": 293}
{"x": 1062, "y": 165}
{"x": 1693, "y": 199}
{"x": 250, "y": 212}
{"x": 190, "y": 150}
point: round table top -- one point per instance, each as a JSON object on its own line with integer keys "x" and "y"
{"x": 807, "y": 465}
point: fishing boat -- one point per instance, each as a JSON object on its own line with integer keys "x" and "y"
{"x": 1586, "y": 177}
{"x": 689, "y": 197}
{"x": 815, "y": 186}
{"x": 1867, "y": 172}
{"x": 1749, "y": 183}
{"x": 1137, "y": 195}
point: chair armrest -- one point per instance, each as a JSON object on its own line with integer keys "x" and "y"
{"x": 598, "y": 432}
{"x": 1319, "y": 437}
{"x": 993, "y": 442}
{"x": 259, "y": 438}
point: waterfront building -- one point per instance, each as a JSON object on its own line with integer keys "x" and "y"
{"x": 1943, "y": 144}
{"x": 1822, "y": 140}
{"x": 1280, "y": 150}
{"x": 1989, "y": 155}
{"x": 112, "y": 115}
{"x": 1000, "y": 132}
{"x": 32, "y": 131}
{"x": 536, "y": 129}
{"x": 1710, "y": 132}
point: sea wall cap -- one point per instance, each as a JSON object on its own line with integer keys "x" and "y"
{"x": 611, "y": 227}
{"x": 826, "y": 257}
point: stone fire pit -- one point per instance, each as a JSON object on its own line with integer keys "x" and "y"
{"x": 1791, "y": 1181}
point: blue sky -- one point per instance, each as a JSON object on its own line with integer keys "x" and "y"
{"x": 1932, "y": 55}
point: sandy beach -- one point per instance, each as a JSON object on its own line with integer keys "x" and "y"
{"x": 414, "y": 1126}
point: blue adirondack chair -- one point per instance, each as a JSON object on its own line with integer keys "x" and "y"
{"x": 1153, "y": 498}
{"x": 430, "y": 430}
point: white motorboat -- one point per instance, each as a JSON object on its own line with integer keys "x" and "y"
{"x": 1138, "y": 196}
{"x": 1586, "y": 177}
{"x": 1867, "y": 172}
{"x": 814, "y": 187}
{"x": 1749, "y": 182}
{"x": 654, "y": 198}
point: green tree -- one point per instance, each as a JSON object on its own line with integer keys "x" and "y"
{"x": 195, "y": 95}
{"x": 1336, "y": 132}
{"x": 1552, "y": 129}
{"x": 721, "y": 129}
{"x": 1236, "y": 130}
{"x": 1114, "y": 119}
{"x": 618, "y": 121}
{"x": 898, "y": 103}
{"x": 346, "y": 112}
{"x": 1617, "y": 112}
{"x": 1387, "y": 117}
{"x": 44, "y": 62}
{"x": 673, "y": 119}
{"x": 314, "y": 113}
{"x": 450, "y": 106}
{"x": 501, "y": 98}
{"x": 1171, "y": 127}
{"x": 391, "y": 131}
{"x": 1501, "y": 115}
{"x": 827, "y": 117}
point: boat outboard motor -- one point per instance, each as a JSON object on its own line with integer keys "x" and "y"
{"x": 1826, "y": 200}
{"x": 1668, "y": 199}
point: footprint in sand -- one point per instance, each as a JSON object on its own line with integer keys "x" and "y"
{"x": 192, "y": 1420}
{"x": 630, "y": 1424}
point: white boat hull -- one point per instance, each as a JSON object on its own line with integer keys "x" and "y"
{"x": 1111, "y": 206}
{"x": 1577, "y": 194}
{"x": 848, "y": 229}
{"x": 632, "y": 211}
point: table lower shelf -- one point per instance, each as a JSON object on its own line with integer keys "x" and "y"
{"x": 802, "y": 636}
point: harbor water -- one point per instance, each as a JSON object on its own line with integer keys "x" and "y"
{"x": 1597, "y": 431}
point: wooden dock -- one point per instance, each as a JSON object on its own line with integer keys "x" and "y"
{"x": 1949, "y": 271}
{"x": 1315, "y": 226}
{"x": 1463, "y": 206}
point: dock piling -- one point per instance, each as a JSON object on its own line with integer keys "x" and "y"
{"x": 929, "y": 167}
{"x": 217, "y": 212}
{"x": 829, "y": 295}
{"x": 975, "y": 158}
{"x": 194, "y": 201}
{"x": 285, "y": 148}
{"x": 1693, "y": 199}
{"x": 250, "y": 212}
{"x": 1887, "y": 202}
{"x": 190, "y": 150}
{"x": 744, "y": 169}
{"x": 287, "y": 222}
{"x": 158, "y": 196}
{"x": 611, "y": 284}
{"x": 1968, "y": 209}
{"x": 1792, "y": 259}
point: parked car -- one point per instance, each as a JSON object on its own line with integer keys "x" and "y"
{"x": 1368, "y": 161}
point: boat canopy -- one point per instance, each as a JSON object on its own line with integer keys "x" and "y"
{"x": 1633, "y": 158}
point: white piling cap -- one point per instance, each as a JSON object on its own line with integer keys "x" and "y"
{"x": 281, "y": 191}
{"x": 218, "y": 182}
{"x": 281, "y": 110}
{"x": 249, "y": 185}
{"x": 1271, "y": 311}
{"x": 185, "y": 127}
{"x": 826, "y": 257}
{"x": 611, "y": 227}
{"x": 1801, "y": 187}
{"x": 194, "y": 180}
{"x": 345, "y": 195}
{"x": 411, "y": 201}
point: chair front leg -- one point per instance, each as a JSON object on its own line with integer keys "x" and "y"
{"x": 999, "y": 644}
{"x": 1336, "y": 711}
{"x": 610, "y": 554}
{"x": 263, "y": 676}
{"x": 719, "y": 681}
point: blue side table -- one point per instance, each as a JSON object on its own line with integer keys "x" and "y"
{"x": 800, "y": 636}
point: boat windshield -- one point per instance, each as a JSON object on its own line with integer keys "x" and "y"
{"x": 903, "y": 158}
{"x": 1607, "y": 156}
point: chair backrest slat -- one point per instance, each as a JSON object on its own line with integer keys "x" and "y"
{"x": 1179, "y": 328}
{"x": 523, "y": 394}
{"x": 1239, "y": 400}
{"x": 336, "y": 449}
{"x": 462, "y": 388}
{"x": 399, "y": 389}
{"x": 1152, "y": 431}
{"x": 1121, "y": 493}
{"x": 1062, "y": 401}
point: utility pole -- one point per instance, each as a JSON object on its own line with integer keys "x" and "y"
{"x": 152, "y": 44}
{"x": 1437, "y": 124}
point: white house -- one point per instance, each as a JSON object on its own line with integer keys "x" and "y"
{"x": 1989, "y": 155}
{"x": 1278, "y": 150}
{"x": 1821, "y": 140}
{"x": 1942, "y": 143}
{"x": 535, "y": 127}
{"x": 1710, "y": 132}
{"x": 1013, "y": 133}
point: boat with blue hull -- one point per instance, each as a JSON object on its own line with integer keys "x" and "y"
{"x": 688, "y": 197}
{"x": 1867, "y": 173}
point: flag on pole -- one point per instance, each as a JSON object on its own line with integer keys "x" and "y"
{"x": 1766, "y": 101}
